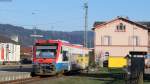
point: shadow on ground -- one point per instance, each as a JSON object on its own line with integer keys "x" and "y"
{"x": 108, "y": 78}
{"x": 16, "y": 68}
{"x": 147, "y": 77}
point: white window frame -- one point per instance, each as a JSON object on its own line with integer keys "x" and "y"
{"x": 121, "y": 27}
{"x": 134, "y": 40}
{"x": 109, "y": 40}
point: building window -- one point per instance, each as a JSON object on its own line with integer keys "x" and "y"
{"x": 135, "y": 41}
{"x": 121, "y": 27}
{"x": 106, "y": 40}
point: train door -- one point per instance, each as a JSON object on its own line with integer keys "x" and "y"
{"x": 65, "y": 58}
{"x": 65, "y": 55}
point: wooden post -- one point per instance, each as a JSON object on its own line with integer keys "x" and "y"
{"x": 140, "y": 78}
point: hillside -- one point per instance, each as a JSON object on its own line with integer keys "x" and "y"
{"x": 4, "y": 39}
{"x": 75, "y": 37}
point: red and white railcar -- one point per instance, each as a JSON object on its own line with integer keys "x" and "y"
{"x": 55, "y": 56}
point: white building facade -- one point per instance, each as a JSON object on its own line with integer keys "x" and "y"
{"x": 9, "y": 53}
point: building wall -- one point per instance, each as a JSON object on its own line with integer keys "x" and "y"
{"x": 121, "y": 42}
{"x": 149, "y": 42}
{"x": 11, "y": 52}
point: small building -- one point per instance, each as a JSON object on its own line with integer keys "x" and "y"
{"x": 118, "y": 37}
{"x": 9, "y": 51}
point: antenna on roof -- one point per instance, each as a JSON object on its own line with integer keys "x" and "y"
{"x": 127, "y": 17}
{"x": 118, "y": 16}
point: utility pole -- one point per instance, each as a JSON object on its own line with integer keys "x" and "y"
{"x": 85, "y": 23}
{"x": 52, "y": 36}
{"x": 35, "y": 35}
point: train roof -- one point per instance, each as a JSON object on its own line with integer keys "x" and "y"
{"x": 66, "y": 43}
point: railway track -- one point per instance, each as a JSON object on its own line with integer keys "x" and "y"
{"x": 27, "y": 80}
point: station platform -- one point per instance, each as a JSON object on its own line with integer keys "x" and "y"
{"x": 14, "y": 72}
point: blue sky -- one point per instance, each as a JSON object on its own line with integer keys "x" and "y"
{"x": 68, "y": 15}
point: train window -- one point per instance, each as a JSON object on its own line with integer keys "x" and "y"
{"x": 65, "y": 55}
{"x": 45, "y": 53}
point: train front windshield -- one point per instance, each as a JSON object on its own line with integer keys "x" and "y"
{"x": 46, "y": 51}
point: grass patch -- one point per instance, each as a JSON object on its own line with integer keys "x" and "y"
{"x": 111, "y": 70}
{"x": 101, "y": 76}
{"x": 117, "y": 70}
{"x": 82, "y": 80}
{"x": 72, "y": 80}
{"x": 104, "y": 70}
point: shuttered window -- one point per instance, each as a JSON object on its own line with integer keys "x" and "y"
{"x": 121, "y": 27}
{"x": 106, "y": 40}
{"x": 134, "y": 40}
